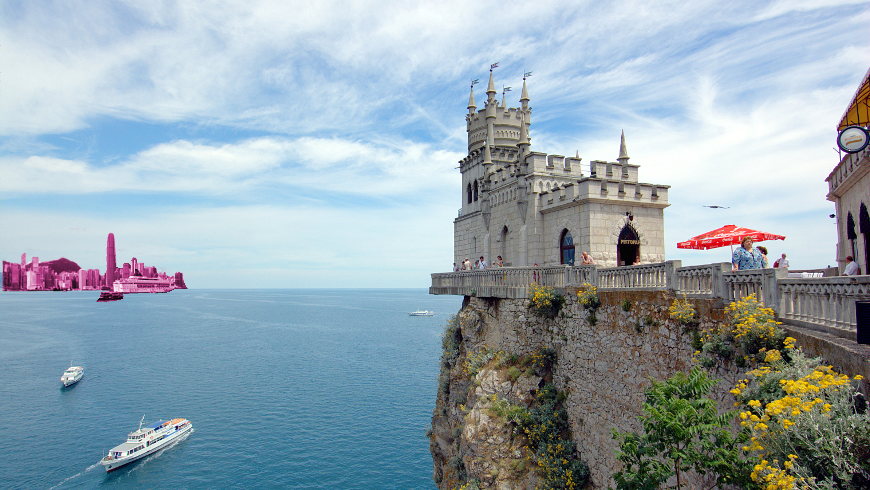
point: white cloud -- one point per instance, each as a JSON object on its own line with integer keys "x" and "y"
{"x": 323, "y": 164}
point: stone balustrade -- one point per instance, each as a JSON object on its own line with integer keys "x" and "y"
{"x": 826, "y": 304}
{"x": 642, "y": 277}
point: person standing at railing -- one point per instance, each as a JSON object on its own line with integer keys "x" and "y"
{"x": 781, "y": 262}
{"x": 481, "y": 264}
{"x": 764, "y": 261}
{"x": 499, "y": 262}
{"x": 586, "y": 259}
{"x": 851, "y": 268}
{"x": 746, "y": 257}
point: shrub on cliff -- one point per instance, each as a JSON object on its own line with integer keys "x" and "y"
{"x": 682, "y": 432}
{"x": 751, "y": 331}
{"x": 545, "y": 301}
{"x": 545, "y": 425}
{"x": 805, "y": 426}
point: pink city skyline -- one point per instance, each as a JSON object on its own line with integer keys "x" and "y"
{"x": 64, "y": 274}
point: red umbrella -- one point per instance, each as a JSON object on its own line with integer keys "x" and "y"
{"x": 725, "y": 236}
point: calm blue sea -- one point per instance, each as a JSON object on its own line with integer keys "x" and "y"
{"x": 285, "y": 388}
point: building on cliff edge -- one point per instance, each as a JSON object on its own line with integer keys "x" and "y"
{"x": 534, "y": 208}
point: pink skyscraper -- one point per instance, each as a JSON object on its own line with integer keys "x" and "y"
{"x": 110, "y": 261}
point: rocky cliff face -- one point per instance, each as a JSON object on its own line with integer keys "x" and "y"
{"x": 492, "y": 369}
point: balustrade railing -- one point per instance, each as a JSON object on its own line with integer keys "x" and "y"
{"x": 760, "y": 282}
{"x": 645, "y": 277}
{"x": 822, "y": 303}
{"x": 826, "y": 304}
{"x": 702, "y": 281}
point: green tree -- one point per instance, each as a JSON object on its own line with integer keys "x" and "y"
{"x": 682, "y": 432}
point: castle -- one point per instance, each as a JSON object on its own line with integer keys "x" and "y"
{"x": 534, "y": 208}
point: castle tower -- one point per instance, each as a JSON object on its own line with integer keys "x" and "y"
{"x": 534, "y": 208}
{"x": 110, "y": 261}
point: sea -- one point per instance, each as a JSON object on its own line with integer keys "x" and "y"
{"x": 295, "y": 388}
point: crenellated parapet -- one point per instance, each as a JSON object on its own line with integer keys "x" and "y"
{"x": 506, "y": 125}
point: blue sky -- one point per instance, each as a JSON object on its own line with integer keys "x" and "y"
{"x": 291, "y": 144}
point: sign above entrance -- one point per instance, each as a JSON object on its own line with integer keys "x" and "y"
{"x": 853, "y": 139}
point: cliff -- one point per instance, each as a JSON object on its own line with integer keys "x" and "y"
{"x": 603, "y": 360}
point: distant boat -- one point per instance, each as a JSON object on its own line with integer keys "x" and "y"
{"x": 422, "y": 313}
{"x": 144, "y": 441}
{"x": 72, "y": 375}
{"x": 110, "y": 296}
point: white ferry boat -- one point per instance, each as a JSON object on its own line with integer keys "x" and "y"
{"x": 422, "y": 313}
{"x": 72, "y": 375}
{"x": 139, "y": 284}
{"x": 146, "y": 440}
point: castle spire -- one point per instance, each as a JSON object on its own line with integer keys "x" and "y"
{"x": 623, "y": 152}
{"x": 471, "y": 105}
{"x": 523, "y": 142}
{"x": 487, "y": 155}
{"x": 490, "y": 90}
{"x": 524, "y": 97}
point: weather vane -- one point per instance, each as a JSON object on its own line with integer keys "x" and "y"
{"x": 527, "y": 75}
{"x": 475, "y": 82}
{"x": 493, "y": 66}
{"x": 504, "y": 90}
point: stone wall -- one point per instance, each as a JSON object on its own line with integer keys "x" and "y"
{"x": 604, "y": 366}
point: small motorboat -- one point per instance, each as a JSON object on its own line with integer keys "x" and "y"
{"x": 422, "y": 313}
{"x": 110, "y": 296}
{"x": 72, "y": 375}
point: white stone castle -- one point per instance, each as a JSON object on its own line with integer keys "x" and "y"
{"x": 537, "y": 209}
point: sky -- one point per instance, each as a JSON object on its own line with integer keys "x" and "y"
{"x": 314, "y": 144}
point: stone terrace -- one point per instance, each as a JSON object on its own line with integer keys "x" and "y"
{"x": 824, "y": 304}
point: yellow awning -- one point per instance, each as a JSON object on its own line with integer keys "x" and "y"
{"x": 858, "y": 112}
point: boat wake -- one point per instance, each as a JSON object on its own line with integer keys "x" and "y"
{"x": 80, "y": 473}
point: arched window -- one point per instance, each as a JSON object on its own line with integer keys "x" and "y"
{"x": 566, "y": 248}
{"x": 475, "y": 190}
{"x": 851, "y": 235}
{"x": 864, "y": 226}
{"x": 505, "y": 246}
{"x": 468, "y": 193}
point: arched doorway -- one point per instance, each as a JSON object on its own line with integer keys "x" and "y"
{"x": 628, "y": 246}
{"x": 566, "y": 248}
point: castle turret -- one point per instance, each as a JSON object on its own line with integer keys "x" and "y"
{"x": 523, "y": 142}
{"x": 472, "y": 107}
{"x": 623, "y": 152}
{"x": 524, "y": 97}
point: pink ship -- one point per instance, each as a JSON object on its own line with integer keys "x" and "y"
{"x": 140, "y": 284}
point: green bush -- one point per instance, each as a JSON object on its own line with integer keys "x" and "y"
{"x": 682, "y": 431}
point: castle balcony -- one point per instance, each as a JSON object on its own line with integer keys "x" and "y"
{"x": 824, "y": 304}
{"x": 850, "y": 170}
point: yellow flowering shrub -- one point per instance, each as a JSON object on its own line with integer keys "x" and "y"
{"x": 544, "y": 300}
{"x": 682, "y": 311}
{"x": 803, "y": 425}
{"x": 749, "y": 336}
{"x": 587, "y": 296}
